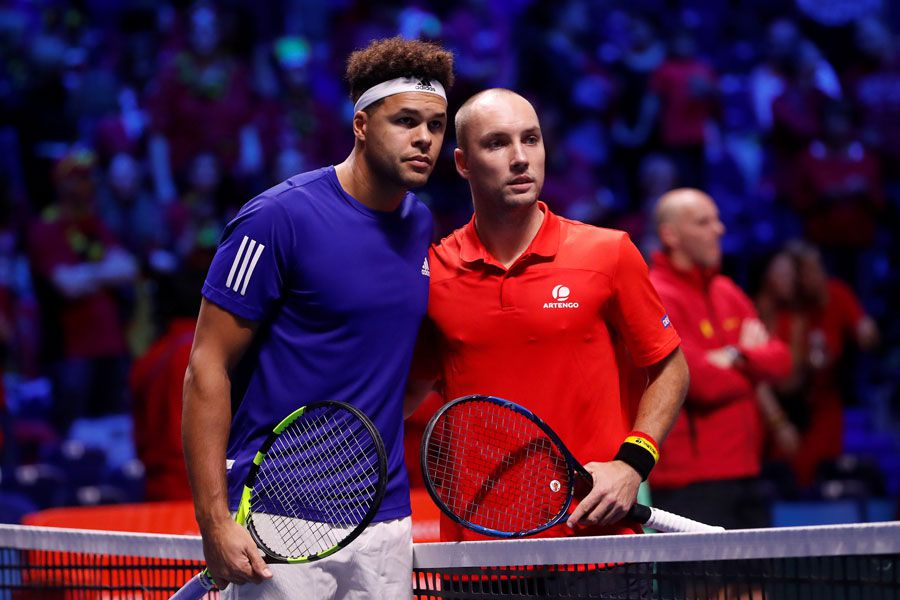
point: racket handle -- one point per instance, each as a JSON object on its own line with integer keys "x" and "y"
{"x": 667, "y": 522}
{"x": 195, "y": 589}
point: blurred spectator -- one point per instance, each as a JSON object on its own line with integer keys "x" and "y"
{"x": 128, "y": 208}
{"x": 633, "y": 121}
{"x": 658, "y": 175}
{"x": 288, "y": 162}
{"x": 580, "y": 194}
{"x": 480, "y": 33}
{"x": 156, "y": 380}
{"x": 838, "y": 191}
{"x": 769, "y": 78}
{"x": 554, "y": 48}
{"x": 136, "y": 38}
{"x": 797, "y": 111}
{"x": 197, "y": 220}
{"x": 78, "y": 267}
{"x": 19, "y": 324}
{"x": 778, "y": 294}
{"x": 778, "y": 290}
{"x": 685, "y": 90}
{"x": 835, "y": 13}
{"x": 42, "y": 118}
{"x": 291, "y": 119}
{"x": 131, "y": 212}
{"x": 124, "y": 130}
{"x": 10, "y": 261}
{"x": 202, "y": 102}
{"x": 819, "y": 317}
{"x": 874, "y": 86}
{"x": 710, "y": 463}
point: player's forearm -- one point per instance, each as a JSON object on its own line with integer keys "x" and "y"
{"x": 668, "y": 385}
{"x": 206, "y": 422}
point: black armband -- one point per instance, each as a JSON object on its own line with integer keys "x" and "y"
{"x": 638, "y": 452}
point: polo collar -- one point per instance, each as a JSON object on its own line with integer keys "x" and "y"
{"x": 545, "y": 242}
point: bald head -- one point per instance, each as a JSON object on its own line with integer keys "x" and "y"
{"x": 673, "y": 204}
{"x": 687, "y": 223}
{"x": 475, "y": 104}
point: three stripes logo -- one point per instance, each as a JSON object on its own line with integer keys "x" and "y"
{"x": 426, "y": 271}
{"x": 244, "y": 264}
{"x": 425, "y": 86}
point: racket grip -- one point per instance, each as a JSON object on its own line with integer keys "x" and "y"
{"x": 667, "y": 522}
{"x": 195, "y": 589}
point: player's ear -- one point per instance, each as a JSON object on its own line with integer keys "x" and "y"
{"x": 360, "y": 125}
{"x": 667, "y": 235}
{"x": 461, "y": 162}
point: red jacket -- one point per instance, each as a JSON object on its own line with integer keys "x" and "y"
{"x": 156, "y": 381}
{"x": 718, "y": 432}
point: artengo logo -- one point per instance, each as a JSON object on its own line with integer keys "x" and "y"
{"x": 561, "y": 295}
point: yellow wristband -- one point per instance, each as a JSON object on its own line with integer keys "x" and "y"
{"x": 643, "y": 443}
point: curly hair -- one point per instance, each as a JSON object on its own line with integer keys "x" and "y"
{"x": 394, "y": 57}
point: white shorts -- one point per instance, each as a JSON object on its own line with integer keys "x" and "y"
{"x": 377, "y": 564}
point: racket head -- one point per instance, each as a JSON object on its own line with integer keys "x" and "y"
{"x": 494, "y": 467}
{"x": 315, "y": 484}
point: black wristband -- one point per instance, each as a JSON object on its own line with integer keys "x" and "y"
{"x": 638, "y": 458}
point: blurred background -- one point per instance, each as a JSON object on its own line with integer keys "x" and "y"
{"x": 131, "y": 131}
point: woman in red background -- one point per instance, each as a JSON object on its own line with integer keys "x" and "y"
{"x": 817, "y": 322}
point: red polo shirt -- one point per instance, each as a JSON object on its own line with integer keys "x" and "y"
{"x": 563, "y": 331}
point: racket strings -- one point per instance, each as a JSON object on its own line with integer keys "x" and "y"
{"x": 318, "y": 522}
{"x": 495, "y": 468}
{"x": 315, "y": 486}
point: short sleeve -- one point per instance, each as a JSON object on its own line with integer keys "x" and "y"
{"x": 248, "y": 272}
{"x": 637, "y": 313}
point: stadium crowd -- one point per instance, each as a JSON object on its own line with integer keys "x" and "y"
{"x": 131, "y": 132}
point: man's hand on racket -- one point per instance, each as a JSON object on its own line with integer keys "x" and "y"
{"x": 613, "y": 493}
{"x": 232, "y": 556}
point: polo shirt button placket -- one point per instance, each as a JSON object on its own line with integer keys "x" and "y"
{"x": 505, "y": 299}
{"x": 507, "y": 281}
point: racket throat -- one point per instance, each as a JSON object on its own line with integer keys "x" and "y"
{"x": 583, "y": 485}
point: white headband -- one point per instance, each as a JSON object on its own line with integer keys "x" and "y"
{"x": 398, "y": 86}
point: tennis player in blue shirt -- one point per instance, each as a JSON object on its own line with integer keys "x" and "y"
{"x": 316, "y": 292}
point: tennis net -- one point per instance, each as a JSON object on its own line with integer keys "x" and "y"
{"x": 846, "y": 562}
{"x": 57, "y": 563}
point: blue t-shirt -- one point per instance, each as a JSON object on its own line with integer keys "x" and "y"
{"x": 339, "y": 291}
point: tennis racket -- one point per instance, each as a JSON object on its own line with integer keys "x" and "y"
{"x": 314, "y": 485}
{"x": 496, "y": 468}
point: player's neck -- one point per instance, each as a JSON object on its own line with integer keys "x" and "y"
{"x": 366, "y": 187}
{"x": 507, "y": 233}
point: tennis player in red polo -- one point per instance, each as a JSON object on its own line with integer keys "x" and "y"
{"x": 553, "y": 314}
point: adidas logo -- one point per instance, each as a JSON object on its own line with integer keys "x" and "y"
{"x": 244, "y": 264}
{"x": 425, "y": 85}
{"x": 426, "y": 271}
